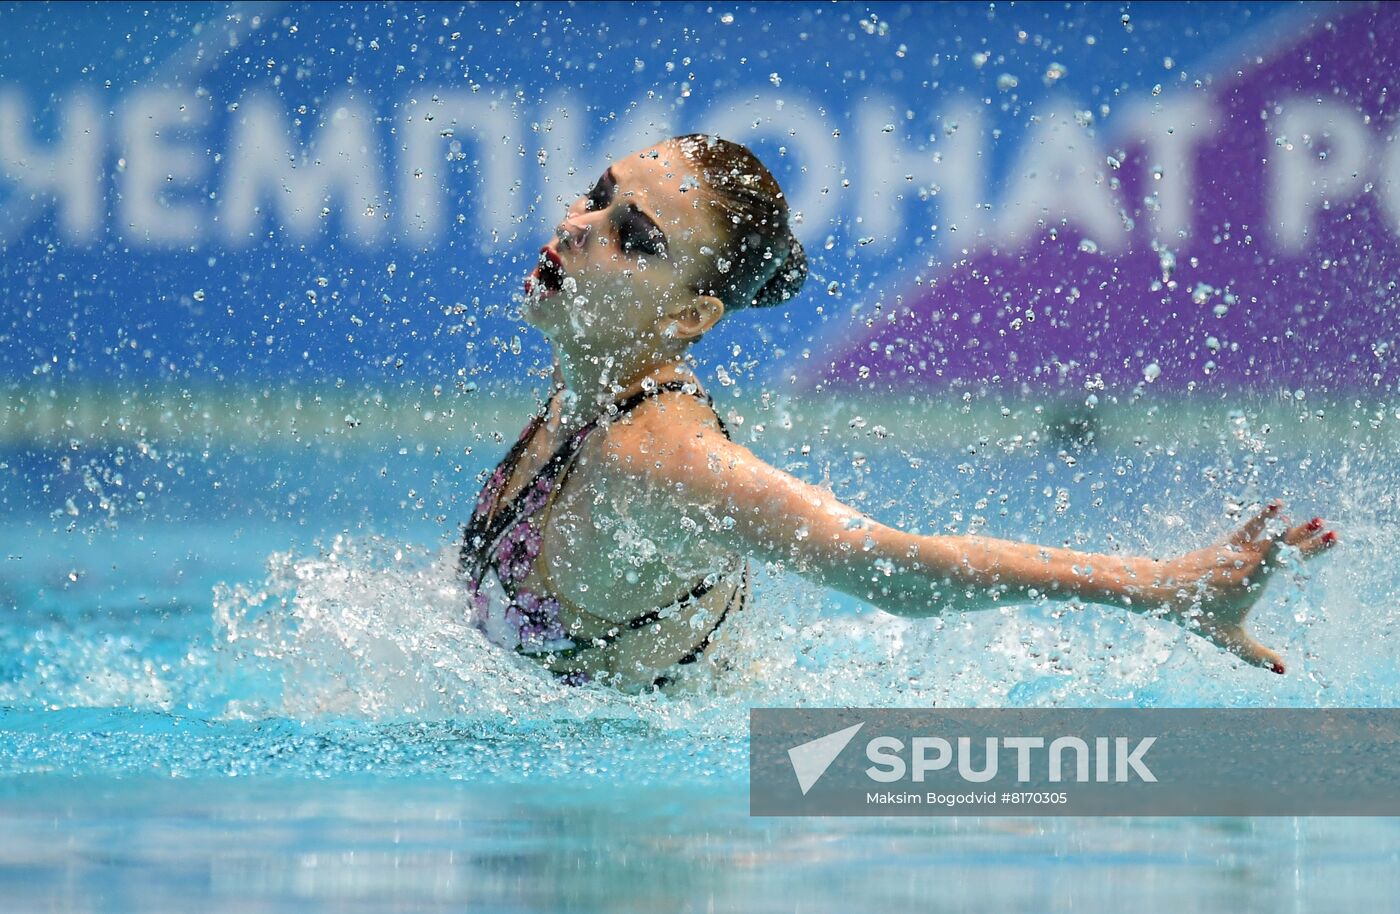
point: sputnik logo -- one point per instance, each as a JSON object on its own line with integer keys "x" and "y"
{"x": 810, "y": 760}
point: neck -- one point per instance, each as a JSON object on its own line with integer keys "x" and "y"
{"x": 595, "y": 381}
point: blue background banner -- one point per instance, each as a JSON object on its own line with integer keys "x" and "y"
{"x": 333, "y": 194}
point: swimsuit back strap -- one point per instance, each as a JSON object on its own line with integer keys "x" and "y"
{"x": 562, "y": 459}
{"x": 739, "y": 596}
{"x": 636, "y": 398}
{"x": 703, "y": 587}
{"x": 620, "y": 408}
{"x": 480, "y": 538}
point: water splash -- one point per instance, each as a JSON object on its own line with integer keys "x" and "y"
{"x": 355, "y": 654}
{"x": 374, "y": 630}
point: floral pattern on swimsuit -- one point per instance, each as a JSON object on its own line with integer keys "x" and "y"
{"x": 512, "y": 616}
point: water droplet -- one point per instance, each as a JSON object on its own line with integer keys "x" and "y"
{"x": 1166, "y": 260}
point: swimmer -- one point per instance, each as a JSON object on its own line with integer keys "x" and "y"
{"x": 615, "y": 538}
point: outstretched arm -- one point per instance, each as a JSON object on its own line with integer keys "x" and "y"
{"x": 752, "y": 507}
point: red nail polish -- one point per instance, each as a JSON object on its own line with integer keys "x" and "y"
{"x": 1277, "y": 668}
{"x": 1273, "y": 507}
{"x": 1329, "y": 537}
{"x": 1315, "y": 524}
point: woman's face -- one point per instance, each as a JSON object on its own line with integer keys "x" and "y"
{"x": 627, "y": 255}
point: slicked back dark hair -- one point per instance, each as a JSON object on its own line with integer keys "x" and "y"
{"x": 761, "y": 262}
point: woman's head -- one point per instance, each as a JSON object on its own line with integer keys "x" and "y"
{"x": 665, "y": 242}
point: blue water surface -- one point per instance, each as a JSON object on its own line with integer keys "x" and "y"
{"x": 250, "y": 690}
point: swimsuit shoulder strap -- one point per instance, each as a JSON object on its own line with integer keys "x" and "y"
{"x": 563, "y": 459}
{"x": 482, "y": 530}
{"x": 624, "y": 406}
{"x": 636, "y": 398}
{"x": 497, "y": 517}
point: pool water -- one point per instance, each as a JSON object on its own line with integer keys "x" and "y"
{"x": 356, "y": 842}
{"x": 252, "y": 690}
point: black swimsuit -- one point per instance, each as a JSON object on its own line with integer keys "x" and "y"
{"x": 501, "y": 544}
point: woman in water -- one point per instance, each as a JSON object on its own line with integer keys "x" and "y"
{"x": 614, "y": 539}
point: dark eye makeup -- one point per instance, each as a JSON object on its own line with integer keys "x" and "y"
{"x": 637, "y": 233}
{"x": 601, "y": 194}
{"x": 640, "y": 235}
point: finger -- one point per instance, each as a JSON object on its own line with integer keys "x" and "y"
{"x": 1240, "y": 643}
{"x": 1295, "y": 536}
{"x": 1319, "y": 544}
{"x": 1254, "y": 527}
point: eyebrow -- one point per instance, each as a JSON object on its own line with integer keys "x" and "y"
{"x": 633, "y": 208}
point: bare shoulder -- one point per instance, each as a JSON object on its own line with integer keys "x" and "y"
{"x": 649, "y": 473}
{"x": 666, "y": 427}
{"x": 667, "y": 466}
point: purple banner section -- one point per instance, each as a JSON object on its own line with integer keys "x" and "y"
{"x": 1232, "y": 231}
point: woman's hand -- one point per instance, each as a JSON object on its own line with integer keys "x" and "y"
{"x": 1216, "y": 587}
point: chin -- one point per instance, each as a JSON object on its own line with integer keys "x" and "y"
{"x": 540, "y": 314}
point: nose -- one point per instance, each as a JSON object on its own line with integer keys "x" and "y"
{"x": 572, "y": 235}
